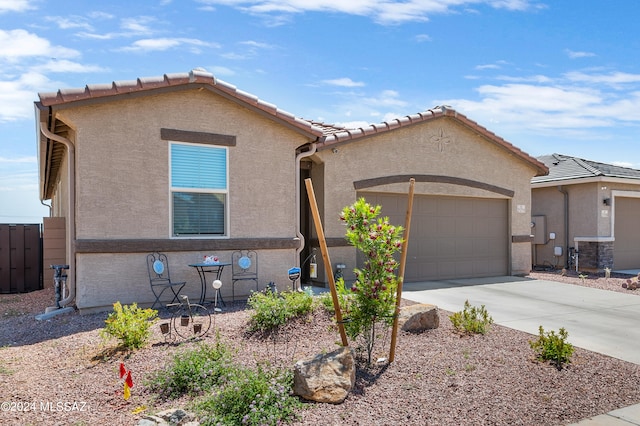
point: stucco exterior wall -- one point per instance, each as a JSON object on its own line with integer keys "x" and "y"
{"x": 106, "y": 278}
{"x": 591, "y": 221}
{"x": 123, "y": 191}
{"x": 440, "y": 147}
{"x": 123, "y": 165}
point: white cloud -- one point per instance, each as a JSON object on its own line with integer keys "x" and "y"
{"x": 20, "y": 44}
{"x": 575, "y": 55}
{"x": 70, "y": 22}
{"x": 138, "y": 25}
{"x": 161, "y": 44}
{"x": 387, "y": 98}
{"x": 218, "y": 70}
{"x": 15, "y": 6}
{"x": 13, "y": 160}
{"x": 257, "y": 44}
{"x": 385, "y": 12}
{"x": 343, "y": 82}
{"x": 614, "y": 78}
{"x": 420, "y": 38}
{"x": 17, "y": 96}
{"x": 65, "y": 66}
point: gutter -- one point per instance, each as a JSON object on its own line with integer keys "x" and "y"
{"x": 71, "y": 220}
{"x": 299, "y": 236}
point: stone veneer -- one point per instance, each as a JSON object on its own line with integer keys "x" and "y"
{"x": 595, "y": 255}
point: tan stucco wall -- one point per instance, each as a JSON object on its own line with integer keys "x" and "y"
{"x": 107, "y": 278}
{"x": 417, "y": 149}
{"x": 122, "y": 165}
{"x": 589, "y": 218}
{"x": 123, "y": 187}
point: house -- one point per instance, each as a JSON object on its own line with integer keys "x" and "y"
{"x": 586, "y": 207}
{"x": 191, "y": 166}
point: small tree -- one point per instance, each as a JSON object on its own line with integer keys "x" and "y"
{"x": 374, "y": 292}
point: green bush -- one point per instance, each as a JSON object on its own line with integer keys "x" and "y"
{"x": 251, "y": 397}
{"x": 129, "y": 324}
{"x": 553, "y": 347}
{"x": 193, "y": 372}
{"x": 472, "y": 319}
{"x": 271, "y": 309}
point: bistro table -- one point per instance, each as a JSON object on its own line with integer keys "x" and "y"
{"x": 205, "y": 268}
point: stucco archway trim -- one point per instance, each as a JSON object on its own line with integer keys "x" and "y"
{"x": 385, "y": 180}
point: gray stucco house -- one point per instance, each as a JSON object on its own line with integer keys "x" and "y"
{"x": 589, "y": 207}
{"x": 117, "y": 162}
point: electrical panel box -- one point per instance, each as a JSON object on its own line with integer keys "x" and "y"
{"x": 539, "y": 229}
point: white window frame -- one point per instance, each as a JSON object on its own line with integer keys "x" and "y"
{"x": 173, "y": 189}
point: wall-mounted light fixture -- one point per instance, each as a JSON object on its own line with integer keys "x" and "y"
{"x": 606, "y": 201}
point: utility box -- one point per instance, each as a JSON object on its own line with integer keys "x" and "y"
{"x": 539, "y": 229}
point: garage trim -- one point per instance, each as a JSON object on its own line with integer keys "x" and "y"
{"x": 385, "y": 180}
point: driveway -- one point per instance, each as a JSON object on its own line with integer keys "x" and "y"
{"x": 597, "y": 320}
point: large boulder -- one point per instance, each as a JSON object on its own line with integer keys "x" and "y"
{"x": 418, "y": 318}
{"x": 325, "y": 377}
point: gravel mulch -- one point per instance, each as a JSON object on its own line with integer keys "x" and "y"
{"x": 62, "y": 371}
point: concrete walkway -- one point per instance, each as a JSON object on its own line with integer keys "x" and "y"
{"x": 597, "y": 320}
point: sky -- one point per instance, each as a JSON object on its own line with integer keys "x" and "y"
{"x": 547, "y": 76}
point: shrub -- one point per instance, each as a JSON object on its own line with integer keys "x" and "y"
{"x": 472, "y": 319}
{"x": 194, "y": 372}
{"x": 129, "y": 324}
{"x": 553, "y": 347}
{"x": 272, "y": 309}
{"x": 251, "y": 397}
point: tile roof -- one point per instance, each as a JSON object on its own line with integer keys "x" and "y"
{"x": 196, "y": 76}
{"x": 565, "y": 167}
{"x": 340, "y": 136}
{"x": 327, "y": 134}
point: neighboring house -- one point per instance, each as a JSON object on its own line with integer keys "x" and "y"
{"x": 189, "y": 165}
{"x": 589, "y": 207}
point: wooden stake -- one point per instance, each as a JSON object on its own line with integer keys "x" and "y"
{"x": 403, "y": 261}
{"x": 325, "y": 258}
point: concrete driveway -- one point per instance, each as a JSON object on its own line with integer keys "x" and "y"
{"x": 598, "y": 320}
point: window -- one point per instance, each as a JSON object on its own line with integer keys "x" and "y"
{"x": 198, "y": 189}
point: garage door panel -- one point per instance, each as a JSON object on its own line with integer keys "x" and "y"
{"x": 451, "y": 237}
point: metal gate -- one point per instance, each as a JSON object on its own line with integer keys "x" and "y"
{"x": 20, "y": 258}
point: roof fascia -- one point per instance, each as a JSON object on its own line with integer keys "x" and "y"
{"x": 579, "y": 181}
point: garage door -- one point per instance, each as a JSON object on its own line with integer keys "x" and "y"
{"x": 626, "y": 248}
{"x": 451, "y": 237}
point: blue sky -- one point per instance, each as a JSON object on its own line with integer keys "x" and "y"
{"x": 559, "y": 76}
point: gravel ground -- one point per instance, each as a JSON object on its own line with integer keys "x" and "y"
{"x": 64, "y": 373}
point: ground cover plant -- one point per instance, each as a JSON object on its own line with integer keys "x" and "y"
{"x": 471, "y": 319}
{"x": 553, "y": 347}
{"x": 130, "y": 325}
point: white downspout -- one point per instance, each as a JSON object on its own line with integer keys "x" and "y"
{"x": 71, "y": 223}
{"x": 299, "y": 235}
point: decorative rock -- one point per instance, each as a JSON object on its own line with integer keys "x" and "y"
{"x": 174, "y": 417}
{"x": 418, "y": 318}
{"x": 325, "y": 377}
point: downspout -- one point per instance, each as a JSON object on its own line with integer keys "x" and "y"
{"x": 71, "y": 224}
{"x": 299, "y": 157}
{"x": 566, "y": 224}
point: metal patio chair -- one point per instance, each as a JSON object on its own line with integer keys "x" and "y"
{"x": 244, "y": 265}
{"x": 160, "y": 279}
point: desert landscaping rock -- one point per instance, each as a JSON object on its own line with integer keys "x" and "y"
{"x": 325, "y": 377}
{"x": 438, "y": 377}
{"x": 418, "y": 318}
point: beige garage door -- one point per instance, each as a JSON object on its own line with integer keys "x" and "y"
{"x": 626, "y": 248}
{"x": 451, "y": 237}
